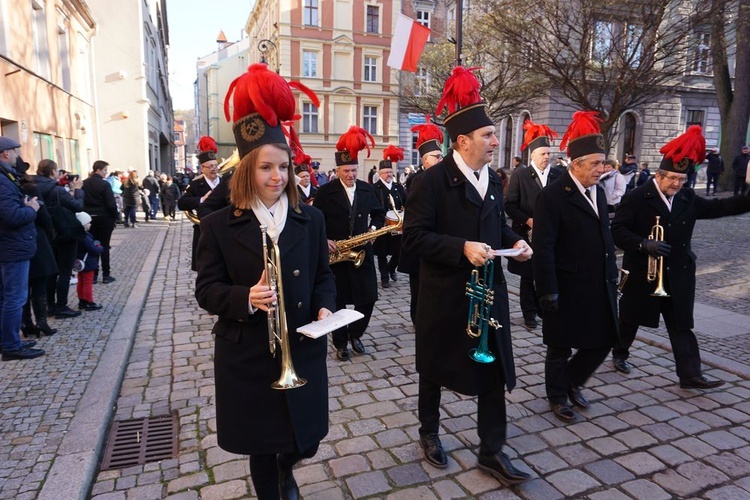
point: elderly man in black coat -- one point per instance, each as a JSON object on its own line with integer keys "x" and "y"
{"x": 453, "y": 221}
{"x": 524, "y": 186}
{"x": 677, "y": 208}
{"x": 351, "y": 208}
{"x": 575, "y": 269}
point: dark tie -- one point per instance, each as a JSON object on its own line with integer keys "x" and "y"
{"x": 476, "y": 174}
{"x": 588, "y": 194}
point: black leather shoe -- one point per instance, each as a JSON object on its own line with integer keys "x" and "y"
{"x": 530, "y": 323}
{"x": 385, "y": 284}
{"x": 30, "y": 331}
{"x": 700, "y": 382}
{"x": 433, "y": 450}
{"x": 394, "y": 277}
{"x": 25, "y": 344}
{"x": 89, "y": 306}
{"x": 576, "y": 397}
{"x": 22, "y": 353}
{"x": 621, "y": 366}
{"x": 108, "y": 279}
{"x": 563, "y": 412}
{"x": 342, "y": 354}
{"x": 66, "y": 312}
{"x": 500, "y": 467}
{"x": 288, "y": 489}
{"x": 358, "y": 347}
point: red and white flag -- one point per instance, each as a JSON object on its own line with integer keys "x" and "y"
{"x": 407, "y": 44}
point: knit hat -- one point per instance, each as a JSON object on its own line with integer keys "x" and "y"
{"x": 536, "y": 136}
{"x": 207, "y": 149}
{"x": 262, "y": 101}
{"x": 683, "y": 151}
{"x": 391, "y": 154}
{"x": 466, "y": 110}
{"x": 351, "y": 143}
{"x": 429, "y": 137}
{"x": 583, "y": 136}
{"x": 83, "y": 218}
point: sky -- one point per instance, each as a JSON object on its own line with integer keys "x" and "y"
{"x": 193, "y": 28}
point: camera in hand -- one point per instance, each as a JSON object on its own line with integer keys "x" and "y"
{"x": 73, "y": 177}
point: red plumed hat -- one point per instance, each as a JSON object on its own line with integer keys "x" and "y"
{"x": 262, "y": 100}
{"x": 583, "y": 136}
{"x": 429, "y": 137}
{"x": 684, "y": 150}
{"x": 466, "y": 111}
{"x": 207, "y": 149}
{"x": 392, "y": 154}
{"x": 537, "y": 136}
{"x": 351, "y": 143}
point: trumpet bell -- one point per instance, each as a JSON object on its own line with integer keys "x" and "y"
{"x": 482, "y": 356}
{"x": 288, "y": 380}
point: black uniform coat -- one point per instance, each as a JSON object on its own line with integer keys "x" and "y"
{"x": 307, "y": 199}
{"x": 191, "y": 200}
{"x": 444, "y": 212}
{"x": 353, "y": 286}
{"x": 574, "y": 256}
{"x": 633, "y": 221}
{"x": 389, "y": 244}
{"x": 251, "y": 417}
{"x": 523, "y": 188}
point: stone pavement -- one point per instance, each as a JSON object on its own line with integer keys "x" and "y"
{"x": 644, "y": 437}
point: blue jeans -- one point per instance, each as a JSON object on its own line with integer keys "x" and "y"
{"x": 14, "y": 290}
{"x": 154, "y": 205}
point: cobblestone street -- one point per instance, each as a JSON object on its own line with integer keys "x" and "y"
{"x": 643, "y": 437}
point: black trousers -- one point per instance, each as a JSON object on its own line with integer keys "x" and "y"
{"x": 491, "y": 418}
{"x": 687, "y": 356}
{"x": 739, "y": 184}
{"x": 101, "y": 229}
{"x": 414, "y": 290}
{"x": 264, "y": 471}
{"x": 353, "y": 330}
{"x": 528, "y": 297}
{"x": 561, "y": 371}
{"x": 711, "y": 179}
{"x": 57, "y": 289}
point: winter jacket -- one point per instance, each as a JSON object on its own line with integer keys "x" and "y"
{"x": 89, "y": 249}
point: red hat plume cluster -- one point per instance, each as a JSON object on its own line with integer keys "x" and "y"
{"x": 427, "y": 132}
{"x": 393, "y": 153}
{"x": 690, "y": 145}
{"x": 533, "y": 131}
{"x": 355, "y": 140}
{"x": 584, "y": 123}
{"x": 207, "y": 143}
{"x": 461, "y": 89}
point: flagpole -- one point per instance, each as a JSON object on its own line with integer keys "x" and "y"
{"x": 459, "y": 34}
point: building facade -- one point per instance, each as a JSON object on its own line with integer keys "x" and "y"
{"x": 339, "y": 49}
{"x": 134, "y": 112}
{"x": 47, "y": 100}
{"x": 214, "y": 74}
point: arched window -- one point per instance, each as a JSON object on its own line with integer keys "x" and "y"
{"x": 508, "y": 143}
{"x": 628, "y": 136}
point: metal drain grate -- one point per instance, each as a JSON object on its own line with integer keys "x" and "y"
{"x": 140, "y": 440}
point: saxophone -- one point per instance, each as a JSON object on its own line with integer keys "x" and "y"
{"x": 345, "y": 249}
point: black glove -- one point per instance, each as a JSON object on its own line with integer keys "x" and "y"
{"x": 548, "y": 303}
{"x": 655, "y": 248}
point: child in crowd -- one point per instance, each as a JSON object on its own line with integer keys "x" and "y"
{"x": 88, "y": 255}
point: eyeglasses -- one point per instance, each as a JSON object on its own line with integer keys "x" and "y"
{"x": 675, "y": 178}
{"x": 437, "y": 156}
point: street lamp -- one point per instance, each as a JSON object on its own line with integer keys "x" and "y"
{"x": 264, "y": 46}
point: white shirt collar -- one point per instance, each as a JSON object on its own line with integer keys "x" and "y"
{"x": 349, "y": 191}
{"x": 213, "y": 183}
{"x": 482, "y": 184}
{"x": 583, "y": 192}
{"x": 667, "y": 201}
{"x": 304, "y": 189}
{"x": 541, "y": 173}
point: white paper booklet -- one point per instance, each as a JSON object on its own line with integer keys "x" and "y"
{"x": 509, "y": 252}
{"x": 336, "y": 320}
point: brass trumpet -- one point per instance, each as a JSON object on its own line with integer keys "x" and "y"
{"x": 277, "y": 328}
{"x": 345, "y": 248}
{"x": 656, "y": 264}
{"x": 481, "y": 297}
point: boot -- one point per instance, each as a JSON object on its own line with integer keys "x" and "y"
{"x": 27, "y": 324}
{"x": 40, "y": 311}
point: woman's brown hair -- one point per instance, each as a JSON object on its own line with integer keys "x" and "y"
{"x": 132, "y": 179}
{"x": 46, "y": 168}
{"x": 242, "y": 190}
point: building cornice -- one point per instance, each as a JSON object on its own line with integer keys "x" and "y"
{"x": 82, "y": 9}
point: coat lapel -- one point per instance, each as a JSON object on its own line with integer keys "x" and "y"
{"x": 679, "y": 203}
{"x": 294, "y": 230}
{"x": 655, "y": 201}
{"x": 456, "y": 178}
{"x": 535, "y": 177}
{"x": 574, "y": 196}
{"x": 245, "y": 228}
{"x": 493, "y": 196}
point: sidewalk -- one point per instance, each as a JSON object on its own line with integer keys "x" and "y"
{"x": 643, "y": 437}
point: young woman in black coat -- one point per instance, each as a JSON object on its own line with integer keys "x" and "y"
{"x": 276, "y": 428}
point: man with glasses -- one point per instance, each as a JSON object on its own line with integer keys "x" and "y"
{"x": 677, "y": 207}
{"x": 201, "y": 186}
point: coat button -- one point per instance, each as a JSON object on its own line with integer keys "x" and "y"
{"x": 299, "y": 305}
{"x": 359, "y": 215}
{"x": 295, "y": 273}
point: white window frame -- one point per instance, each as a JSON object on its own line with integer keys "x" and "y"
{"x": 63, "y": 43}
{"x": 421, "y": 81}
{"x": 701, "y": 62}
{"x": 602, "y": 42}
{"x": 309, "y": 118}
{"x": 309, "y": 67}
{"x": 424, "y": 17}
{"x": 370, "y": 119}
{"x": 370, "y": 71}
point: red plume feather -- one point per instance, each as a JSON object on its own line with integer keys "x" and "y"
{"x": 584, "y": 123}
{"x": 461, "y": 89}
{"x": 534, "y": 131}
{"x": 207, "y": 143}
{"x": 355, "y": 140}
{"x": 263, "y": 91}
{"x": 691, "y": 145}
{"x": 427, "y": 132}
{"x": 393, "y": 153}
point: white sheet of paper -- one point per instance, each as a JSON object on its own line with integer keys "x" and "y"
{"x": 333, "y": 322}
{"x": 508, "y": 252}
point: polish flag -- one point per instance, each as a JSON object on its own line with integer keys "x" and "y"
{"x": 407, "y": 44}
